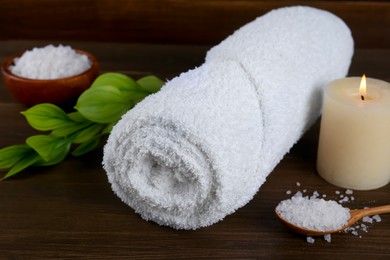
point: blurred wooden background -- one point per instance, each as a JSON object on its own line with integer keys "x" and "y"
{"x": 172, "y": 21}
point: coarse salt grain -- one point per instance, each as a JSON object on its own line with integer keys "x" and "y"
{"x": 349, "y": 192}
{"x": 310, "y": 240}
{"x": 315, "y": 195}
{"x": 328, "y": 238}
{"x": 367, "y": 220}
{"x": 377, "y": 218}
{"x": 345, "y": 199}
{"x": 364, "y": 227}
{"x": 298, "y": 194}
{"x": 50, "y": 62}
{"x": 313, "y": 213}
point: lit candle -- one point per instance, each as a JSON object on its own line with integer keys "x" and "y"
{"x": 354, "y": 143}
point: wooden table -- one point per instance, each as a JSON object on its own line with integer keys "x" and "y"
{"x": 69, "y": 210}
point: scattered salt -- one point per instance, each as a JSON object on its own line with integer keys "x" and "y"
{"x": 364, "y": 227}
{"x": 288, "y": 192}
{"x": 313, "y": 213}
{"x": 298, "y": 183}
{"x": 315, "y": 195}
{"x": 303, "y": 213}
{"x": 359, "y": 227}
{"x": 328, "y": 238}
{"x": 367, "y": 220}
{"x": 310, "y": 240}
{"x": 345, "y": 199}
{"x": 50, "y": 62}
{"x": 349, "y": 229}
{"x": 298, "y": 194}
{"x": 377, "y": 218}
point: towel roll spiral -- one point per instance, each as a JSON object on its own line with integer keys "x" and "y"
{"x": 200, "y": 148}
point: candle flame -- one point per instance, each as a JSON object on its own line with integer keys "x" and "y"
{"x": 363, "y": 87}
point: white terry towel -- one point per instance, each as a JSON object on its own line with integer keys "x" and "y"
{"x": 201, "y": 147}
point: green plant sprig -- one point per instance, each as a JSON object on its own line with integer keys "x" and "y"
{"x": 98, "y": 109}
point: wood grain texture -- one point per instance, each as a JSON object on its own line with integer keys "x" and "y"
{"x": 172, "y": 21}
{"x": 69, "y": 211}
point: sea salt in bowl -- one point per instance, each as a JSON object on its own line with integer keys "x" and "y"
{"x": 59, "y": 91}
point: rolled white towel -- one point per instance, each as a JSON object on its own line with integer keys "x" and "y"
{"x": 201, "y": 147}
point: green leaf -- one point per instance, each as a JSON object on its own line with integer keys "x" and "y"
{"x": 71, "y": 128}
{"x": 10, "y": 155}
{"x": 46, "y": 117}
{"x": 86, "y": 147}
{"x": 77, "y": 117}
{"x": 134, "y": 97}
{"x": 28, "y": 159}
{"x": 150, "y": 83}
{"x": 53, "y": 161}
{"x": 50, "y": 148}
{"x": 117, "y": 80}
{"x": 99, "y": 109}
{"x": 108, "y": 128}
{"x": 104, "y": 104}
{"x": 88, "y": 133}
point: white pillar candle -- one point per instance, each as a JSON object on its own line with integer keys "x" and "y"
{"x": 354, "y": 143}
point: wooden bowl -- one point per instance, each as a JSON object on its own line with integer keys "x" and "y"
{"x": 56, "y": 91}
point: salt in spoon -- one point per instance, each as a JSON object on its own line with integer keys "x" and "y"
{"x": 356, "y": 215}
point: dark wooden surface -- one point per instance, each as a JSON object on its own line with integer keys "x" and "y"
{"x": 173, "y": 21}
{"x": 69, "y": 210}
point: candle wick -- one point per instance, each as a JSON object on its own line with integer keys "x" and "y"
{"x": 362, "y": 97}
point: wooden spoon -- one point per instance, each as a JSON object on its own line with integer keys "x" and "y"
{"x": 356, "y": 215}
